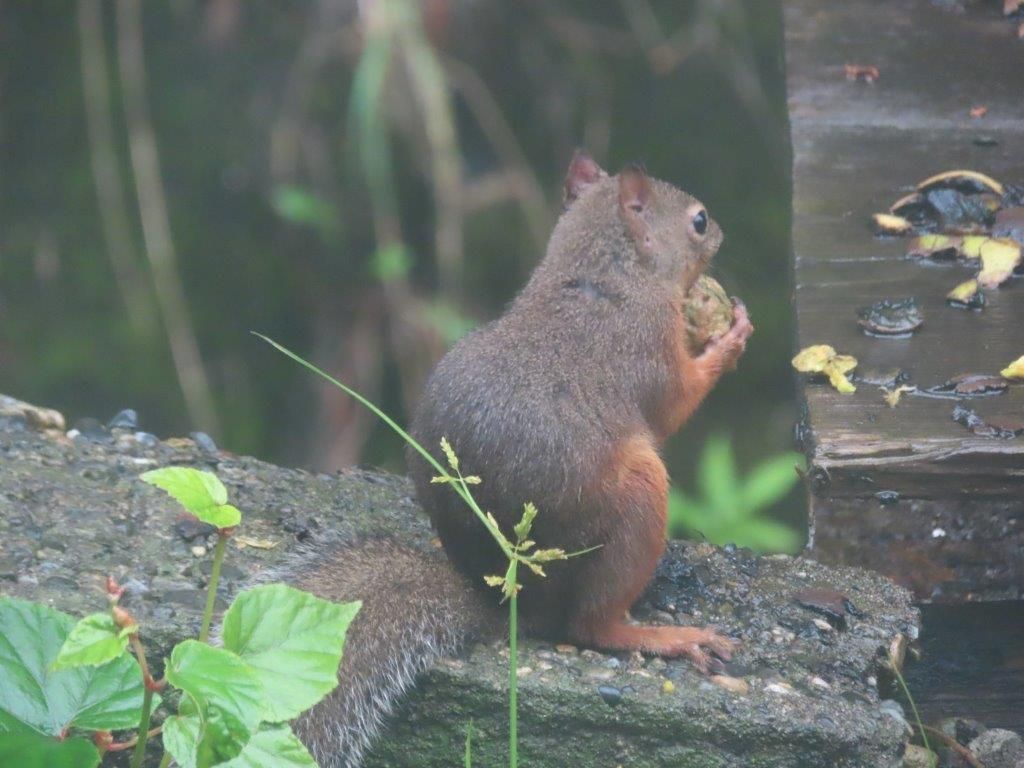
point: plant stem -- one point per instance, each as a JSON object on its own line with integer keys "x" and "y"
{"x": 513, "y": 673}
{"x": 211, "y": 588}
{"x": 140, "y": 745}
{"x": 165, "y": 760}
{"x": 913, "y": 706}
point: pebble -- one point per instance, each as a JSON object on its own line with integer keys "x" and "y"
{"x": 566, "y": 648}
{"x": 783, "y": 689}
{"x": 204, "y": 441}
{"x": 125, "y": 419}
{"x": 146, "y": 439}
{"x": 735, "y": 685}
{"x": 919, "y": 757}
{"x": 998, "y": 748}
{"x": 612, "y": 696}
{"x": 199, "y": 550}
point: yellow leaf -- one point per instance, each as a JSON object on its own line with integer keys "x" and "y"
{"x": 837, "y": 378}
{"x": 999, "y": 257}
{"x": 494, "y": 581}
{"x": 892, "y": 396}
{"x": 963, "y": 292}
{"x": 888, "y": 224}
{"x": 932, "y": 245}
{"x": 814, "y": 358}
{"x": 843, "y": 363}
{"x": 1014, "y": 370}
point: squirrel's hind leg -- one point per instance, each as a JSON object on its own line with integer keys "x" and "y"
{"x": 635, "y": 488}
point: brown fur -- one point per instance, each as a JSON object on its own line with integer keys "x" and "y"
{"x": 565, "y": 400}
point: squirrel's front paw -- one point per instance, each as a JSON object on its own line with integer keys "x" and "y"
{"x": 727, "y": 349}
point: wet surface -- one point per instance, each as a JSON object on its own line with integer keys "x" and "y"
{"x": 972, "y": 664}
{"x": 955, "y": 532}
{"x": 800, "y": 692}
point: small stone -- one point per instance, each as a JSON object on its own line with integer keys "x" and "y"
{"x": 566, "y": 648}
{"x": 938, "y": 533}
{"x": 612, "y": 696}
{"x": 998, "y": 748}
{"x": 823, "y": 625}
{"x": 146, "y": 439}
{"x": 523, "y": 671}
{"x": 204, "y": 441}
{"x": 199, "y": 550}
{"x": 190, "y": 528}
{"x": 783, "y": 689}
{"x": 125, "y": 419}
{"x": 597, "y": 673}
{"x": 818, "y": 682}
{"x": 89, "y": 429}
{"x": 735, "y": 685}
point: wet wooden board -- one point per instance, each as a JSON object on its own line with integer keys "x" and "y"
{"x": 857, "y": 147}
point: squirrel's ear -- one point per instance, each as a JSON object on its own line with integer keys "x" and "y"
{"x": 634, "y": 189}
{"x": 583, "y": 171}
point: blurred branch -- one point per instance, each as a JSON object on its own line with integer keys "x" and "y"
{"x": 105, "y": 168}
{"x": 431, "y": 89}
{"x": 156, "y": 228}
{"x": 520, "y": 178}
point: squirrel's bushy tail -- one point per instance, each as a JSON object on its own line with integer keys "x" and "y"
{"x": 416, "y": 609}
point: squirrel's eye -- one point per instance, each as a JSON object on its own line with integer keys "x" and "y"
{"x": 700, "y": 222}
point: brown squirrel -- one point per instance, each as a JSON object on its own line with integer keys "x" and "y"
{"x": 564, "y": 401}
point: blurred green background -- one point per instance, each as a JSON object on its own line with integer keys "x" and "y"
{"x": 362, "y": 181}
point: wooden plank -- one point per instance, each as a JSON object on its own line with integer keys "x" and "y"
{"x": 857, "y": 147}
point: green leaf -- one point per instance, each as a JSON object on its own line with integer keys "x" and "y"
{"x": 770, "y": 481}
{"x": 201, "y": 493}
{"x": 292, "y": 640}
{"x": 94, "y": 640}
{"x": 716, "y": 476}
{"x": 391, "y": 262}
{"x": 24, "y": 747}
{"x": 298, "y": 206}
{"x": 181, "y": 738}
{"x": 273, "y": 747}
{"x": 227, "y": 694}
{"x": 107, "y": 697}
{"x": 765, "y": 535}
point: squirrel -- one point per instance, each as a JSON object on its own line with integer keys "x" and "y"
{"x": 564, "y": 402}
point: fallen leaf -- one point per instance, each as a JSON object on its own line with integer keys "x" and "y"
{"x": 865, "y": 73}
{"x": 979, "y": 110}
{"x": 971, "y": 384}
{"x": 999, "y": 257}
{"x": 1014, "y": 370}
{"x": 888, "y": 224}
{"x": 935, "y": 247}
{"x": 892, "y": 396}
{"x": 249, "y": 541}
{"x": 813, "y": 359}
{"x": 967, "y": 295}
{"x": 822, "y": 358}
{"x": 963, "y": 180}
{"x": 983, "y": 428}
{"x": 891, "y": 317}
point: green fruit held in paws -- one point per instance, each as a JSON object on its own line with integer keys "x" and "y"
{"x": 708, "y": 313}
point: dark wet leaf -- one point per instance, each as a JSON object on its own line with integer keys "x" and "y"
{"x": 891, "y": 317}
{"x": 969, "y": 182}
{"x": 960, "y": 212}
{"x": 1009, "y": 222}
{"x": 998, "y": 428}
{"x": 830, "y": 603}
{"x": 972, "y": 385}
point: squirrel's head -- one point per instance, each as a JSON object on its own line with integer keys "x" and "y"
{"x": 667, "y": 231}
